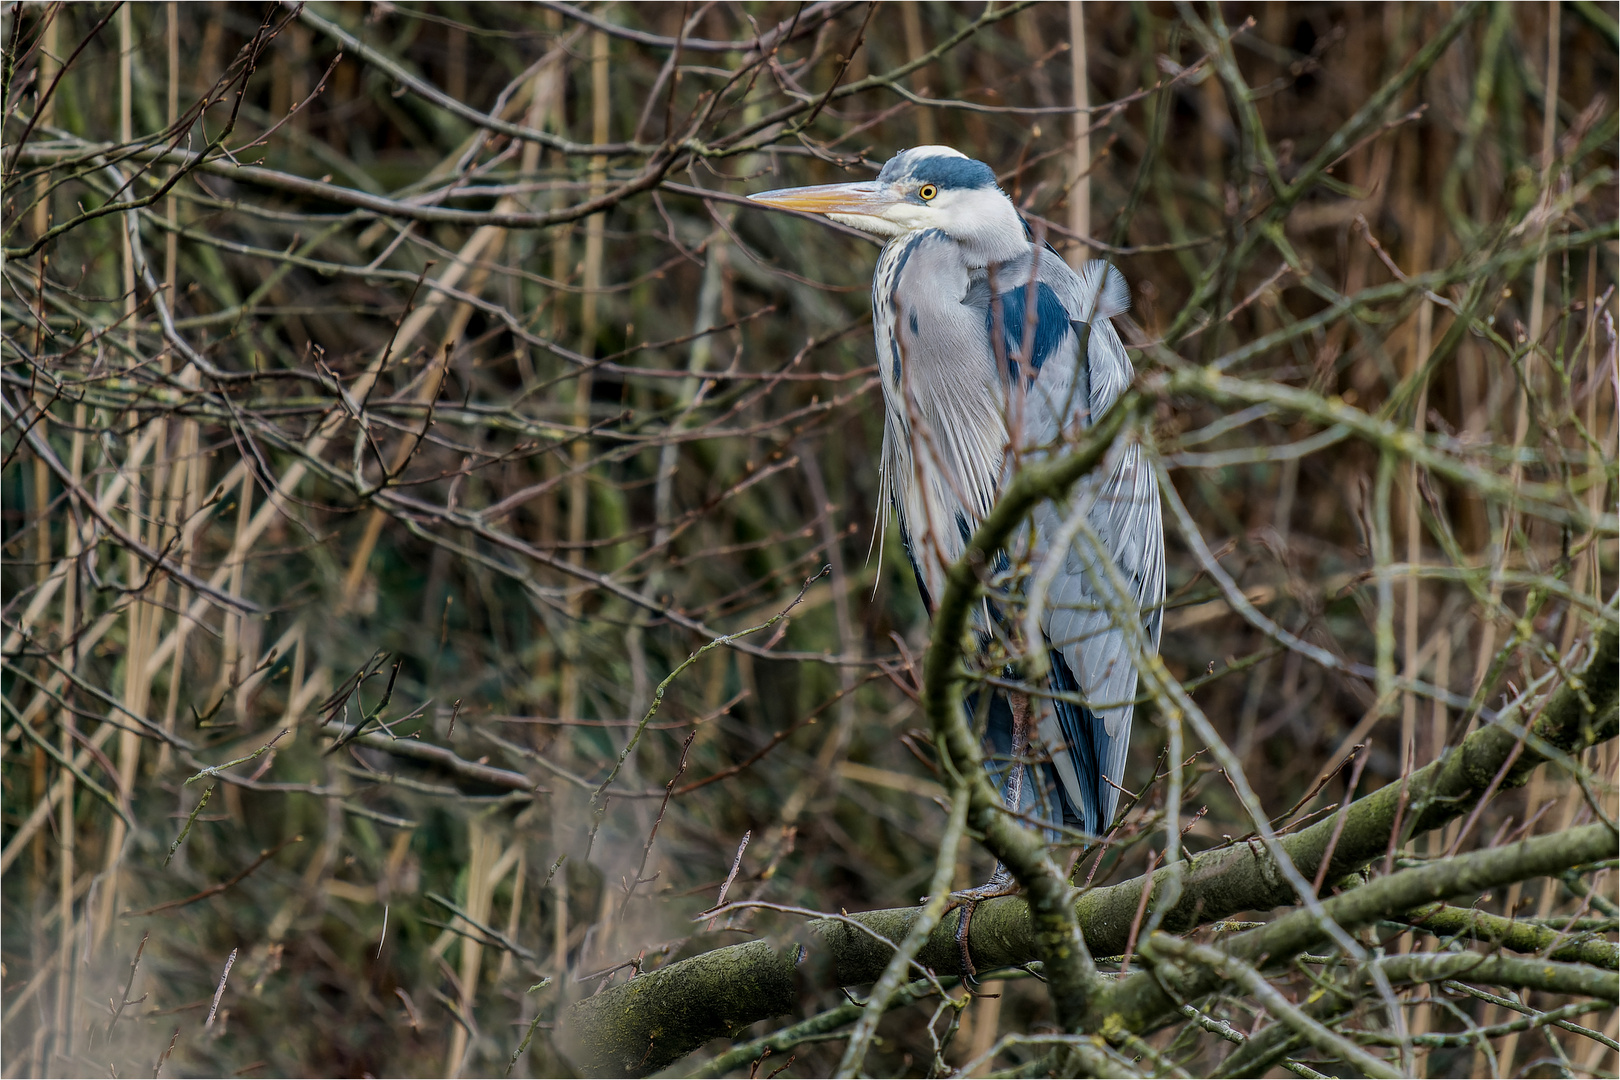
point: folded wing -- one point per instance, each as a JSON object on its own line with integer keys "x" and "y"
{"x": 976, "y": 361}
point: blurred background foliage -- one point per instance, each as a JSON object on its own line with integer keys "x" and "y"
{"x": 475, "y": 436}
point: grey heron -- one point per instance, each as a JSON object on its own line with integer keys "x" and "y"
{"x": 979, "y": 333}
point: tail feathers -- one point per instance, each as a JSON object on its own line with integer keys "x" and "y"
{"x": 1082, "y": 743}
{"x": 1068, "y": 789}
{"x": 1085, "y": 764}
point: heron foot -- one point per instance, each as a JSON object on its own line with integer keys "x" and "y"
{"x": 1001, "y": 883}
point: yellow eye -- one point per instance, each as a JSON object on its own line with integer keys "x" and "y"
{"x": 927, "y": 191}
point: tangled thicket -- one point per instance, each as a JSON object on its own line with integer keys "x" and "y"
{"x": 443, "y": 632}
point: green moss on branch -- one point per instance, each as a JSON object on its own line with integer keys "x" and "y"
{"x": 1265, "y": 1050}
{"x": 644, "y": 1025}
{"x": 1142, "y": 1002}
{"x": 1220, "y": 883}
{"x": 1443, "y": 921}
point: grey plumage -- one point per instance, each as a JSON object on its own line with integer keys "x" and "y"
{"x": 978, "y": 334}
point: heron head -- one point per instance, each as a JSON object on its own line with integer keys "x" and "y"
{"x": 926, "y": 187}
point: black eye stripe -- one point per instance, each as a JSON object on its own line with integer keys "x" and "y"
{"x": 948, "y": 172}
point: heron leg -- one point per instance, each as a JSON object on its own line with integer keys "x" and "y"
{"x": 1014, "y": 794}
{"x": 1001, "y": 883}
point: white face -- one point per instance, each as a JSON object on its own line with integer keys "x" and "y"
{"x": 963, "y": 213}
{"x": 911, "y": 207}
{"x": 879, "y": 225}
{"x": 982, "y": 220}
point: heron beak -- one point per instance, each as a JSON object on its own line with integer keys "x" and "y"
{"x": 869, "y": 199}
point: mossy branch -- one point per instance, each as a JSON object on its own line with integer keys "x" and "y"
{"x": 1265, "y": 1050}
{"x": 1523, "y": 937}
{"x": 639, "y": 1027}
{"x": 1222, "y": 882}
{"x": 1143, "y": 1002}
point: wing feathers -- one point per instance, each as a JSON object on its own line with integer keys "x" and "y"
{"x": 935, "y": 316}
{"x": 1115, "y": 295}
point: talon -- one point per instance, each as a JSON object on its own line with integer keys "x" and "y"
{"x": 970, "y": 974}
{"x": 1001, "y": 883}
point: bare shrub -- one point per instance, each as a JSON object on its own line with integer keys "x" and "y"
{"x": 439, "y": 566}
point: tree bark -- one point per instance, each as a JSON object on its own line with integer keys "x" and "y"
{"x": 639, "y": 1027}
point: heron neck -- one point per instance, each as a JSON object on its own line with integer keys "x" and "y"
{"x": 978, "y": 252}
{"x": 989, "y": 243}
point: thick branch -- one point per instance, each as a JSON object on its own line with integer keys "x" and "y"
{"x": 1144, "y": 1001}
{"x": 646, "y": 1024}
{"x": 1443, "y": 921}
{"x": 1263, "y": 1051}
{"x": 1220, "y": 883}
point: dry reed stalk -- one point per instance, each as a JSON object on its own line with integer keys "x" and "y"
{"x": 1420, "y": 257}
{"x": 63, "y": 1025}
{"x": 560, "y": 931}
{"x": 568, "y": 704}
{"x": 483, "y": 849}
{"x": 136, "y": 686}
{"x": 911, "y": 24}
{"x": 186, "y": 483}
{"x": 555, "y": 120}
{"x": 1528, "y": 382}
{"x": 1422, "y": 246}
{"x": 1529, "y": 385}
{"x": 233, "y": 658}
{"x": 704, "y": 546}
{"x": 171, "y": 240}
{"x": 40, "y": 493}
{"x": 1080, "y": 185}
{"x": 986, "y": 1023}
{"x": 164, "y": 522}
{"x": 1597, "y": 1052}
{"x": 1424, "y": 1016}
{"x": 514, "y": 914}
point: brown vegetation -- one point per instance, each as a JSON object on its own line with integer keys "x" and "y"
{"x": 443, "y": 632}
